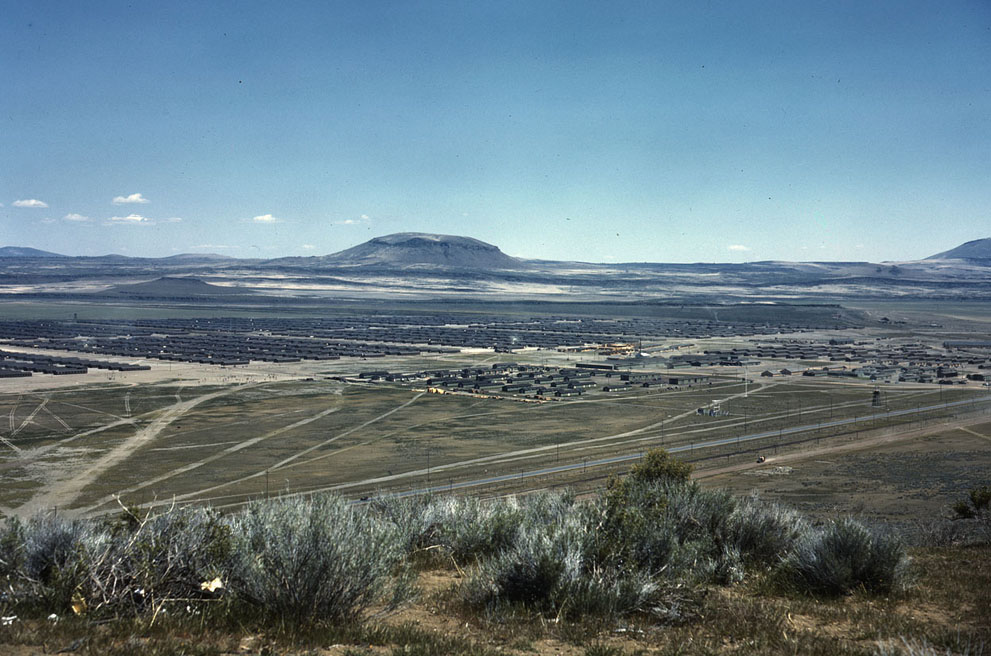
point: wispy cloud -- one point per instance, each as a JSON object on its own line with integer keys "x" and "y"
{"x": 308, "y": 247}
{"x": 72, "y": 216}
{"x": 266, "y": 218}
{"x": 130, "y": 219}
{"x": 173, "y": 219}
{"x": 215, "y": 247}
{"x": 47, "y": 220}
{"x": 130, "y": 200}
{"x": 738, "y": 247}
{"x": 30, "y": 202}
{"x": 361, "y": 220}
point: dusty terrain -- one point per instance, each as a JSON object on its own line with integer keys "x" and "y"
{"x": 904, "y": 478}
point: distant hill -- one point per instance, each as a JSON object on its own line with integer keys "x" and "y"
{"x": 21, "y": 251}
{"x": 193, "y": 257}
{"x": 979, "y": 249}
{"x": 405, "y": 249}
{"x": 170, "y": 287}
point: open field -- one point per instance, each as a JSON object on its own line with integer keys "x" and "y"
{"x": 200, "y": 433}
{"x": 907, "y": 478}
{"x": 224, "y": 443}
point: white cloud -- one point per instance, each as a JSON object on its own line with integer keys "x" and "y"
{"x": 266, "y": 218}
{"x": 362, "y": 219}
{"x": 72, "y": 216}
{"x": 308, "y": 247}
{"x": 128, "y": 200}
{"x": 173, "y": 219}
{"x": 130, "y": 219}
{"x": 859, "y": 246}
{"x": 737, "y": 247}
{"x": 216, "y": 247}
{"x": 30, "y": 202}
{"x": 47, "y": 220}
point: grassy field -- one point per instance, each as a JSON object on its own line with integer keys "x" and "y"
{"x": 224, "y": 444}
{"x": 908, "y": 480}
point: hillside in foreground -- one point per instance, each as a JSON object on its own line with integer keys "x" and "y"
{"x": 655, "y": 564}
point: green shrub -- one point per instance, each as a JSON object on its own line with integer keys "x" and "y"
{"x": 633, "y": 529}
{"x": 980, "y": 497}
{"x": 668, "y": 527}
{"x": 633, "y": 508}
{"x": 158, "y": 558}
{"x": 57, "y": 554}
{"x": 844, "y": 556}
{"x": 410, "y": 517}
{"x": 659, "y": 465}
{"x": 699, "y": 514}
{"x": 11, "y": 547}
{"x": 964, "y": 510}
{"x": 763, "y": 531}
{"x": 469, "y": 528}
{"x": 303, "y": 559}
{"x": 548, "y": 569}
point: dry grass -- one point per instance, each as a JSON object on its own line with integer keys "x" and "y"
{"x": 948, "y": 608}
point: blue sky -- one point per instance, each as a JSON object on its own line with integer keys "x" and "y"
{"x": 599, "y": 131}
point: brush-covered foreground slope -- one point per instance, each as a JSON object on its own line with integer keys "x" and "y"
{"x": 656, "y": 564}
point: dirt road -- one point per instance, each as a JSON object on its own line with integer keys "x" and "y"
{"x": 64, "y": 492}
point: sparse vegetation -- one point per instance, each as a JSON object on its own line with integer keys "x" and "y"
{"x": 655, "y": 549}
{"x": 844, "y": 556}
{"x": 978, "y": 503}
{"x": 300, "y": 559}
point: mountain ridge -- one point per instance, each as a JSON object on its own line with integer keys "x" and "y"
{"x": 26, "y": 251}
{"x": 174, "y": 287}
{"x": 407, "y": 249}
{"x": 411, "y": 249}
{"x": 976, "y": 249}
